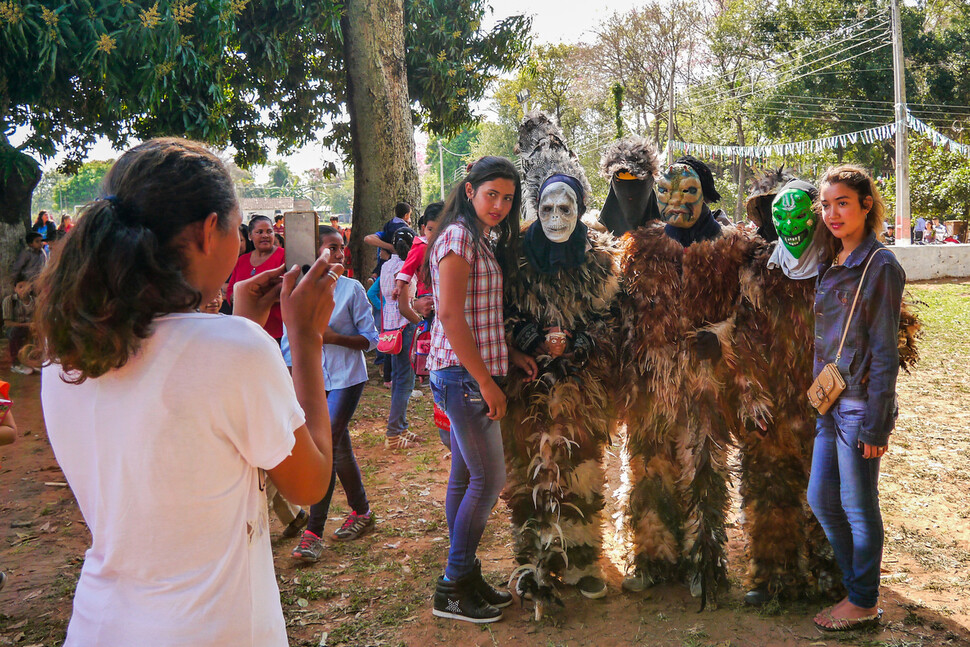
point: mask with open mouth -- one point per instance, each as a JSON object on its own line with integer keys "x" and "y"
{"x": 793, "y": 217}
{"x": 558, "y": 212}
{"x": 680, "y": 196}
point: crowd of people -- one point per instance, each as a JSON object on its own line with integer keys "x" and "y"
{"x": 152, "y": 414}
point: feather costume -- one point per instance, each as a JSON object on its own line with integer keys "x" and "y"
{"x": 557, "y": 425}
{"x": 677, "y": 407}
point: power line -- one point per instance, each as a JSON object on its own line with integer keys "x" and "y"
{"x": 801, "y": 66}
{"x": 847, "y": 105}
{"x": 795, "y": 78}
{"x": 458, "y": 155}
{"x": 819, "y": 49}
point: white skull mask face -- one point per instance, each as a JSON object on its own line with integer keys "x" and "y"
{"x": 558, "y": 212}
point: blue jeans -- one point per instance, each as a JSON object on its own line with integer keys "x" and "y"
{"x": 477, "y": 465}
{"x": 341, "y": 403}
{"x": 402, "y": 383}
{"x": 843, "y": 491}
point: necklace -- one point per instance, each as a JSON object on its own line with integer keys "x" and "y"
{"x": 255, "y": 265}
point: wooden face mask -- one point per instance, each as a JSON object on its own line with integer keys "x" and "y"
{"x": 680, "y": 196}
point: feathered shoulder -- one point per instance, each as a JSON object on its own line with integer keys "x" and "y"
{"x": 572, "y": 295}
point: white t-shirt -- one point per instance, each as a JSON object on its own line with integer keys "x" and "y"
{"x": 162, "y": 456}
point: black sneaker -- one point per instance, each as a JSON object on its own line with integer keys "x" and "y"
{"x": 498, "y": 599}
{"x": 459, "y": 600}
{"x": 295, "y": 527}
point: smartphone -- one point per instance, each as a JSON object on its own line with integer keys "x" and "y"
{"x": 301, "y": 237}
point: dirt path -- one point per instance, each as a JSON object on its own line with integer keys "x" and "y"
{"x": 376, "y": 591}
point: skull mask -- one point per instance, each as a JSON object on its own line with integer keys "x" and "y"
{"x": 794, "y": 220}
{"x": 680, "y": 196}
{"x": 558, "y": 212}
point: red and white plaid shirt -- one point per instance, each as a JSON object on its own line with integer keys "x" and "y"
{"x": 483, "y": 301}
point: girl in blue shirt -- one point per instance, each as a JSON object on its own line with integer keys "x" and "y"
{"x": 853, "y": 435}
{"x": 350, "y": 333}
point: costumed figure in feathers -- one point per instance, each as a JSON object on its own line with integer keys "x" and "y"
{"x": 681, "y": 278}
{"x": 558, "y": 310}
{"x": 788, "y": 554}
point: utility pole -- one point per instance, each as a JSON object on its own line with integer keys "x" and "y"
{"x": 902, "y": 141}
{"x": 670, "y": 110}
{"x": 441, "y": 168}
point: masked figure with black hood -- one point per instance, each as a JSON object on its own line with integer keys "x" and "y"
{"x": 558, "y": 310}
{"x": 680, "y": 272}
{"x": 788, "y": 554}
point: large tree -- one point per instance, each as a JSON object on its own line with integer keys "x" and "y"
{"x": 238, "y": 73}
{"x": 229, "y": 72}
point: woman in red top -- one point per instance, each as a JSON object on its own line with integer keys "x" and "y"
{"x": 266, "y": 256}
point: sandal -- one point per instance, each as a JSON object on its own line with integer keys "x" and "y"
{"x": 850, "y": 624}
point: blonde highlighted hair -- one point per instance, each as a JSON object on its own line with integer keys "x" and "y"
{"x": 859, "y": 180}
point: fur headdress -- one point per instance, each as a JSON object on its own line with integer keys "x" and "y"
{"x": 765, "y": 188}
{"x": 634, "y": 155}
{"x": 543, "y": 151}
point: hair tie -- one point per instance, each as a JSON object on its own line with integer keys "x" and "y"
{"x": 121, "y": 212}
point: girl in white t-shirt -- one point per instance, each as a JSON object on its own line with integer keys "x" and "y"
{"x": 142, "y": 393}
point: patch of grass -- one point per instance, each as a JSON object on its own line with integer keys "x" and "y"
{"x": 310, "y": 585}
{"x": 770, "y": 609}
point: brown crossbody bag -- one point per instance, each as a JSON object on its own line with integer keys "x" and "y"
{"x": 828, "y": 386}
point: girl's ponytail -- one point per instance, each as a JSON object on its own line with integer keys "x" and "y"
{"x": 121, "y": 265}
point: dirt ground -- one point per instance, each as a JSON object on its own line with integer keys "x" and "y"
{"x": 376, "y": 591}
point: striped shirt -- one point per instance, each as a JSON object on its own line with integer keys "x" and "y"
{"x": 483, "y": 301}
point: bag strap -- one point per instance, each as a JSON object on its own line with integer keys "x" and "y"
{"x": 858, "y": 290}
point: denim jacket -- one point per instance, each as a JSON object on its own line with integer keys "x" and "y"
{"x": 869, "y": 362}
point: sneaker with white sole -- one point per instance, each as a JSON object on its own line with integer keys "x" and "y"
{"x": 310, "y": 547}
{"x": 354, "y": 527}
{"x": 591, "y": 587}
{"x": 460, "y": 600}
{"x": 401, "y": 441}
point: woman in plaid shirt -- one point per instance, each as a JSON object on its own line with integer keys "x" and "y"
{"x": 477, "y": 233}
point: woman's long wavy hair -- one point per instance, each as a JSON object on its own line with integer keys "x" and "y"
{"x": 859, "y": 180}
{"x": 122, "y": 265}
{"x": 458, "y": 208}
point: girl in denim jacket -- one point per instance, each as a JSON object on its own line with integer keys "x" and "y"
{"x": 854, "y": 434}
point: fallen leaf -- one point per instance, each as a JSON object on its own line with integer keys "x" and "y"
{"x": 303, "y": 603}
{"x": 323, "y": 639}
{"x": 22, "y": 623}
{"x": 55, "y": 484}
{"x": 392, "y": 546}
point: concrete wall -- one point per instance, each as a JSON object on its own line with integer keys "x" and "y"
{"x": 923, "y": 262}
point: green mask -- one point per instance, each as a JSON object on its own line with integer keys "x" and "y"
{"x": 791, "y": 212}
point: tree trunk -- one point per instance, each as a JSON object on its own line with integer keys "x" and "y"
{"x": 381, "y": 128}
{"x": 739, "y": 205}
{"x": 19, "y": 174}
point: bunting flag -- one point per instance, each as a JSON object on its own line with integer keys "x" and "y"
{"x": 938, "y": 138}
{"x": 868, "y": 136}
